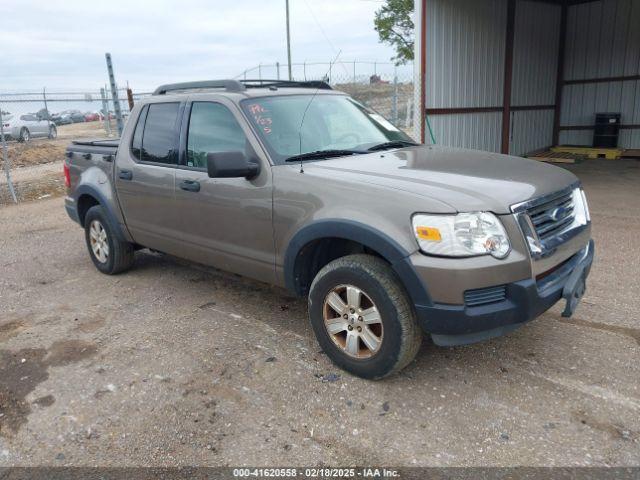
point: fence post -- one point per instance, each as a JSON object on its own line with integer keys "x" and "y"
{"x": 375, "y": 68}
{"x": 394, "y": 103}
{"x": 114, "y": 94}
{"x": 130, "y": 98}
{"x": 44, "y": 96}
{"x": 278, "y": 70}
{"x": 330, "y": 65}
{"x": 304, "y": 70}
{"x": 5, "y": 155}
{"x": 260, "y": 71}
{"x": 354, "y": 72}
{"x": 105, "y": 109}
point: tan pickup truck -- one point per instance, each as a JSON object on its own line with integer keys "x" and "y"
{"x": 301, "y": 186}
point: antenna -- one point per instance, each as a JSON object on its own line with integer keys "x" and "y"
{"x": 304, "y": 114}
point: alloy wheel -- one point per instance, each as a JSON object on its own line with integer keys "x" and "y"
{"x": 352, "y": 321}
{"x": 99, "y": 242}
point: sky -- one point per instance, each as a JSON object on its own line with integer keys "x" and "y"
{"x": 61, "y": 45}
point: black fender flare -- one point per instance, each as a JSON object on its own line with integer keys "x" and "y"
{"x": 105, "y": 204}
{"x": 387, "y": 247}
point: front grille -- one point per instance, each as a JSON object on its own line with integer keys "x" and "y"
{"x": 551, "y": 218}
{"x": 483, "y": 296}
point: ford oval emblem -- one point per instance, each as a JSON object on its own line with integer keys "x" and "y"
{"x": 558, "y": 213}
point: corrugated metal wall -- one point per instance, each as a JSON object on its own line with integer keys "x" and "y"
{"x": 480, "y": 131}
{"x": 465, "y": 69}
{"x": 603, "y": 40}
{"x": 535, "y": 53}
{"x": 531, "y": 130}
{"x": 535, "y": 64}
{"x": 465, "y": 60}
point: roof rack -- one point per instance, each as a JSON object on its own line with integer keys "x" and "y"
{"x": 267, "y": 83}
{"x": 241, "y": 85}
{"x": 228, "y": 85}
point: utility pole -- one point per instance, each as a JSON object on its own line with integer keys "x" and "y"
{"x": 288, "y": 42}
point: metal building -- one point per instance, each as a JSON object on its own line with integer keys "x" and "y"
{"x": 514, "y": 76}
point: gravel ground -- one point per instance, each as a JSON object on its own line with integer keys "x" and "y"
{"x": 177, "y": 364}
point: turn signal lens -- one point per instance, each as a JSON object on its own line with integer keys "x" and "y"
{"x": 429, "y": 234}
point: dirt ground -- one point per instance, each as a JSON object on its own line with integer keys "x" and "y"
{"x": 177, "y": 364}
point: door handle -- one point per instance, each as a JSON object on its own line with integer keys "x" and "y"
{"x": 190, "y": 185}
{"x": 125, "y": 174}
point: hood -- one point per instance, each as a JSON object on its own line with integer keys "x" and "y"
{"x": 466, "y": 180}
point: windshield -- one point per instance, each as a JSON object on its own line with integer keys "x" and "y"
{"x": 332, "y": 122}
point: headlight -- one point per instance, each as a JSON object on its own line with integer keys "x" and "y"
{"x": 581, "y": 209}
{"x": 462, "y": 235}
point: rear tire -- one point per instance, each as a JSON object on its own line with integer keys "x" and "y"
{"x": 370, "y": 304}
{"x": 109, "y": 254}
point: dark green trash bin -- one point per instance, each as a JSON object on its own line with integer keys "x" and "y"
{"x": 607, "y": 130}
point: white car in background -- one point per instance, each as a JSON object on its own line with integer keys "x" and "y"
{"x": 27, "y": 126}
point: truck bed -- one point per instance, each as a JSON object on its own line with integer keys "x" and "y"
{"x": 98, "y": 146}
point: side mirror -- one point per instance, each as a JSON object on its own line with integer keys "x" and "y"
{"x": 231, "y": 165}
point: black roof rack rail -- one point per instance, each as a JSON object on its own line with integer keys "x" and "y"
{"x": 241, "y": 85}
{"x": 229, "y": 85}
{"x": 267, "y": 83}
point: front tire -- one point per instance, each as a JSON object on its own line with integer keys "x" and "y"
{"x": 109, "y": 254}
{"x": 363, "y": 318}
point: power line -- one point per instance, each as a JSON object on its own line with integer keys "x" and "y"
{"x": 315, "y": 19}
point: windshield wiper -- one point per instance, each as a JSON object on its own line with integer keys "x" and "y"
{"x": 324, "y": 154}
{"x": 392, "y": 144}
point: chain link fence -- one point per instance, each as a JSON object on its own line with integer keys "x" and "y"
{"x": 383, "y": 86}
{"x": 29, "y": 115}
{"x": 37, "y": 126}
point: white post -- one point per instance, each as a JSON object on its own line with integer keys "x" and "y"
{"x": 418, "y": 81}
{"x": 5, "y": 154}
{"x": 394, "y": 100}
{"x": 105, "y": 109}
{"x": 288, "y": 43}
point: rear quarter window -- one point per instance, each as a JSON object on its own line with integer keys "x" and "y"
{"x": 136, "y": 143}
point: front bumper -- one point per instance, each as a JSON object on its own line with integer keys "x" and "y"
{"x": 525, "y": 300}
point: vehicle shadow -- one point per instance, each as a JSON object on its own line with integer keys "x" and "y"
{"x": 279, "y": 310}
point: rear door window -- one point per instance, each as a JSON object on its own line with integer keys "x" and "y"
{"x": 160, "y": 137}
